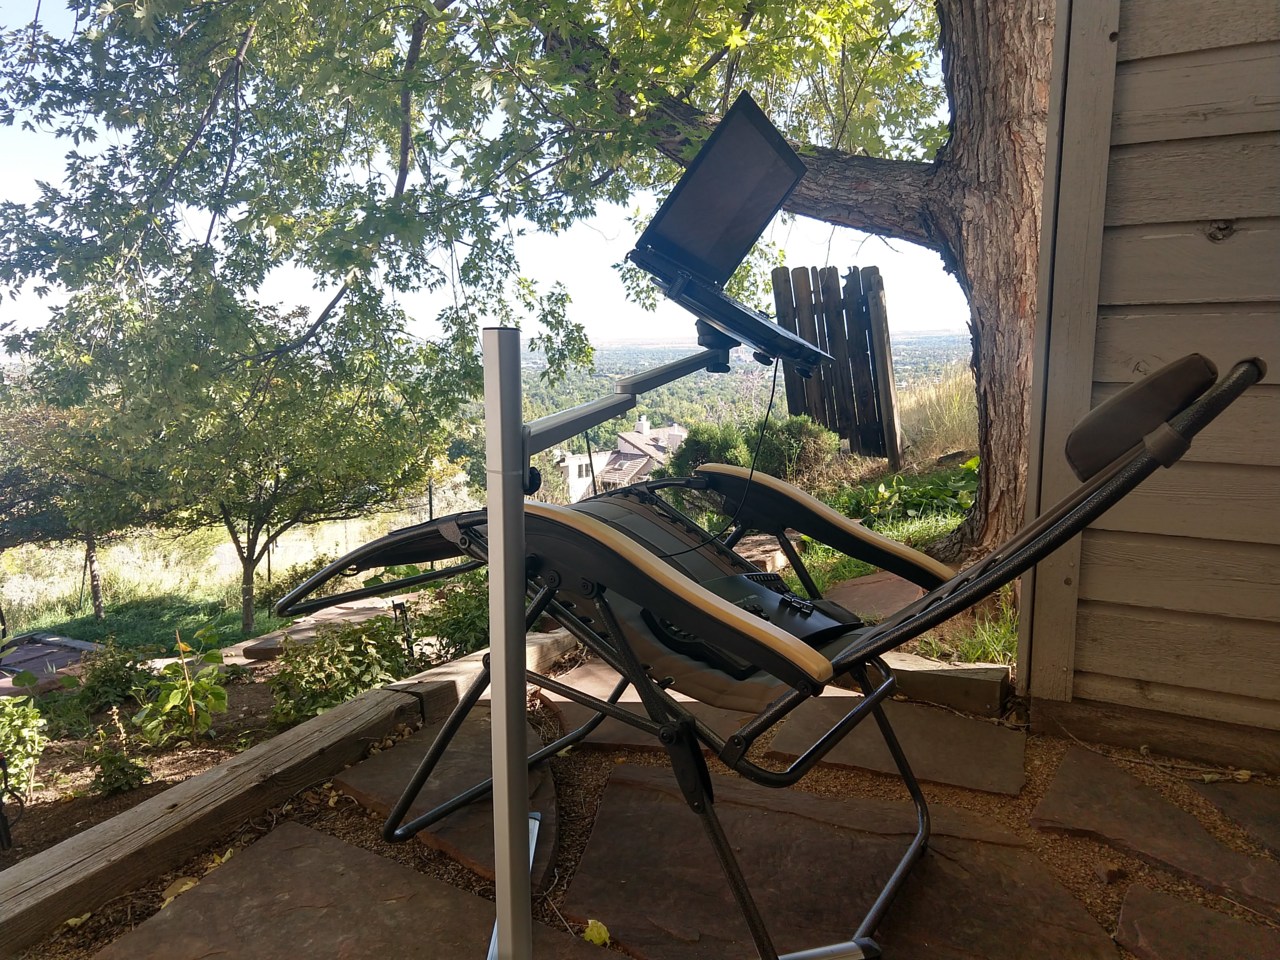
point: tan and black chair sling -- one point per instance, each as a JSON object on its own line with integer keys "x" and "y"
{"x": 671, "y": 607}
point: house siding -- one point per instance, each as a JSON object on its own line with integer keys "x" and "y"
{"x": 1171, "y": 602}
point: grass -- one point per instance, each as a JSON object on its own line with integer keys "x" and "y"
{"x": 152, "y": 624}
{"x": 828, "y": 566}
{"x": 934, "y": 504}
{"x": 993, "y": 639}
{"x": 157, "y": 585}
{"x": 940, "y": 418}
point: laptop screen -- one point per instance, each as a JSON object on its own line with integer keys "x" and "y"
{"x": 728, "y": 195}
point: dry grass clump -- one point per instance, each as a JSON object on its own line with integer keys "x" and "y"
{"x": 941, "y": 417}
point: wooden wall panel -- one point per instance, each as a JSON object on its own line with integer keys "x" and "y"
{"x": 1207, "y": 501}
{"x": 1174, "y": 573}
{"x": 1245, "y": 434}
{"x": 1066, "y": 319}
{"x": 1158, "y": 28}
{"x": 1132, "y": 341}
{"x": 1211, "y": 93}
{"x": 1184, "y": 701}
{"x": 1191, "y": 263}
{"x": 1171, "y": 603}
{"x": 1180, "y": 649}
{"x": 1224, "y": 178}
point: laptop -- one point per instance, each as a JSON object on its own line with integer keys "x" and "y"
{"x": 713, "y": 217}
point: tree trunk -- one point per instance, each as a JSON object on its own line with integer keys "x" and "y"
{"x": 978, "y": 206}
{"x": 95, "y": 576}
{"x": 247, "y": 565}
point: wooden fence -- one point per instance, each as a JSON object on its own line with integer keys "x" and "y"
{"x": 855, "y": 396}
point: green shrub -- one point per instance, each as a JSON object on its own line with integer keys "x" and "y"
{"x": 458, "y": 616}
{"x": 707, "y": 443}
{"x": 793, "y": 447}
{"x": 337, "y": 666}
{"x": 110, "y": 677}
{"x": 114, "y": 770}
{"x": 22, "y": 740}
{"x": 178, "y": 703}
{"x": 905, "y": 496}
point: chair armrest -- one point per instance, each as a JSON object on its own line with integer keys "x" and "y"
{"x": 773, "y": 505}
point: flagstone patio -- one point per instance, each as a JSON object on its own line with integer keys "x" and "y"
{"x": 982, "y": 892}
{"x": 1039, "y": 849}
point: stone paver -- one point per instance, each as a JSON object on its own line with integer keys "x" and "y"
{"x": 815, "y": 866}
{"x": 598, "y": 679}
{"x": 876, "y": 595}
{"x": 1156, "y": 926}
{"x": 1092, "y": 796}
{"x": 49, "y": 656}
{"x": 301, "y": 893}
{"x": 270, "y": 645}
{"x": 980, "y": 689}
{"x": 1254, "y": 806}
{"x": 940, "y": 746}
{"x": 466, "y": 834}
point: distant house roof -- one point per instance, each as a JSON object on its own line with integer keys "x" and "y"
{"x": 624, "y": 468}
{"x": 639, "y": 451}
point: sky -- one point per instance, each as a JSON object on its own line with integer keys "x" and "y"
{"x": 921, "y": 296}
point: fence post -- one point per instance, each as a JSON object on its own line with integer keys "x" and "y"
{"x": 785, "y": 305}
{"x": 882, "y": 357}
{"x": 813, "y": 394}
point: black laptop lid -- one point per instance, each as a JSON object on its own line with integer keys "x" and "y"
{"x": 726, "y": 198}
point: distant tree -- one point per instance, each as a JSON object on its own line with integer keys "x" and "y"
{"x": 196, "y": 431}
{"x": 46, "y": 494}
{"x": 707, "y": 443}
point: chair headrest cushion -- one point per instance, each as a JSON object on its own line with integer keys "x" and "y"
{"x": 1120, "y": 423}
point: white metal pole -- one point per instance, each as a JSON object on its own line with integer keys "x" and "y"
{"x": 505, "y": 473}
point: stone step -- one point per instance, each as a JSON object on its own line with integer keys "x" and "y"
{"x": 941, "y": 747}
{"x": 1156, "y": 926}
{"x": 1254, "y": 806}
{"x": 466, "y": 834}
{"x": 301, "y": 893}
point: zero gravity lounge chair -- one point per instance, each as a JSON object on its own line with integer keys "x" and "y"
{"x": 671, "y": 607}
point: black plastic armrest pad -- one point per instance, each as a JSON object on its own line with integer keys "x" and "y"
{"x": 1122, "y": 422}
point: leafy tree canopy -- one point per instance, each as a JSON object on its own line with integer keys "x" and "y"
{"x": 391, "y": 148}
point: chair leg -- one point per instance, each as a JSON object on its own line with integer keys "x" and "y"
{"x": 394, "y": 830}
{"x": 918, "y": 843}
{"x": 694, "y": 778}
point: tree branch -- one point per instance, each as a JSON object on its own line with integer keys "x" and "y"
{"x": 234, "y": 68}
{"x": 406, "y": 101}
{"x": 891, "y": 198}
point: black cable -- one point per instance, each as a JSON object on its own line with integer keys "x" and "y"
{"x": 773, "y": 391}
{"x": 591, "y": 463}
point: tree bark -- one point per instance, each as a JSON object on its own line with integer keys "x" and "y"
{"x": 978, "y": 206}
{"x": 95, "y": 575}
